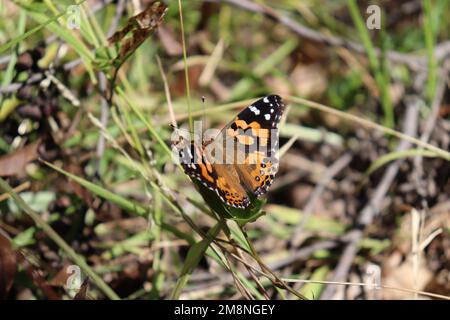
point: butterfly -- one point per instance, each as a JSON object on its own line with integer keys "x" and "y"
{"x": 242, "y": 159}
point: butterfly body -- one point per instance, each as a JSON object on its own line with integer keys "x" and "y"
{"x": 242, "y": 159}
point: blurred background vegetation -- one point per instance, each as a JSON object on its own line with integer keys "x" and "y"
{"x": 85, "y": 146}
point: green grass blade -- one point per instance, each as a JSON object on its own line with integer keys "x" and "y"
{"x": 266, "y": 65}
{"x": 430, "y": 39}
{"x": 144, "y": 120}
{"x": 186, "y": 73}
{"x": 382, "y": 84}
{"x": 313, "y": 290}
{"x": 385, "y": 159}
{"x": 194, "y": 255}
{"x": 102, "y": 192}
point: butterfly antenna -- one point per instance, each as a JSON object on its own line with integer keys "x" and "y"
{"x": 204, "y": 109}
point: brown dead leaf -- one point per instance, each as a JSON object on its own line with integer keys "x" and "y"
{"x": 82, "y": 294}
{"x": 60, "y": 279}
{"x": 14, "y": 164}
{"x": 137, "y": 29}
{"x": 8, "y": 265}
{"x": 398, "y": 273}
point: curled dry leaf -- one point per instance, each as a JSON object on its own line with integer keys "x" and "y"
{"x": 137, "y": 29}
{"x": 8, "y": 265}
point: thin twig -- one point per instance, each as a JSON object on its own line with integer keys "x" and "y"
{"x": 104, "y": 115}
{"x": 430, "y": 124}
{"x": 253, "y": 276}
{"x": 13, "y": 87}
{"x": 173, "y": 120}
{"x": 369, "y": 124}
{"x": 275, "y": 279}
{"x": 362, "y": 284}
{"x": 22, "y": 187}
{"x": 328, "y": 175}
{"x": 115, "y": 22}
{"x": 227, "y": 279}
{"x": 302, "y": 253}
{"x": 106, "y": 99}
{"x": 186, "y": 72}
{"x": 435, "y": 105}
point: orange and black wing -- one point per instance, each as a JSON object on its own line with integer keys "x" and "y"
{"x": 255, "y": 131}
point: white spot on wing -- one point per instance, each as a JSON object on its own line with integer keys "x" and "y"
{"x": 255, "y": 110}
{"x": 267, "y": 116}
{"x": 266, "y": 99}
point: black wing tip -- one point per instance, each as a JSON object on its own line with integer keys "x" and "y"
{"x": 273, "y": 98}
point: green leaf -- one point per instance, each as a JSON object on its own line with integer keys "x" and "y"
{"x": 102, "y": 192}
{"x": 376, "y": 246}
{"x": 381, "y": 161}
{"x": 193, "y": 257}
{"x": 239, "y": 236}
{"x": 25, "y": 238}
{"x": 38, "y": 201}
{"x": 241, "y": 216}
{"x": 311, "y": 134}
{"x": 313, "y": 290}
{"x": 286, "y": 215}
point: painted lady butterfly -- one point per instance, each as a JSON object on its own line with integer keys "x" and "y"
{"x": 242, "y": 159}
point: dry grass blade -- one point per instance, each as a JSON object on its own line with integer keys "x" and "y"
{"x": 362, "y": 284}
